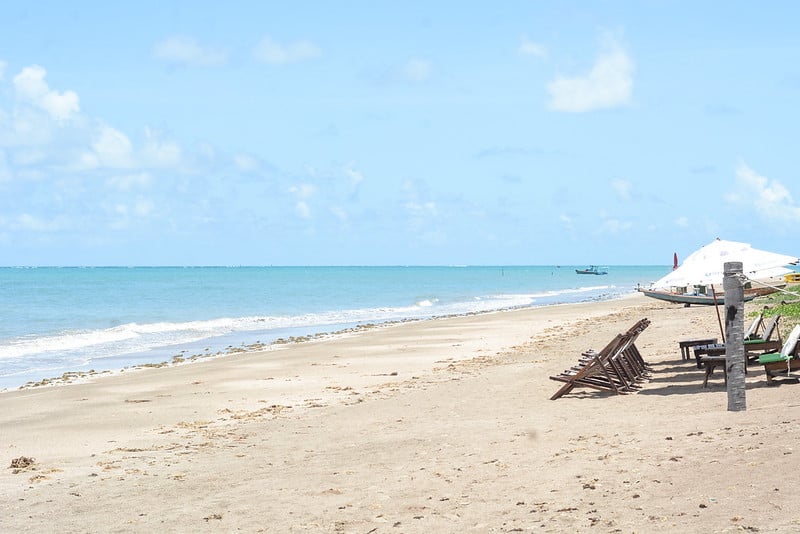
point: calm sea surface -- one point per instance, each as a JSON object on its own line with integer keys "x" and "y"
{"x": 56, "y": 320}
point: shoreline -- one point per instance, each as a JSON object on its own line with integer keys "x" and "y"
{"x": 436, "y": 425}
{"x": 181, "y": 358}
{"x": 138, "y": 316}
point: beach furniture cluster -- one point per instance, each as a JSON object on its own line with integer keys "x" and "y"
{"x": 762, "y": 344}
{"x": 758, "y": 342}
{"x": 618, "y": 367}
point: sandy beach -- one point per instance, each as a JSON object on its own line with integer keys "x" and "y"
{"x": 434, "y": 426}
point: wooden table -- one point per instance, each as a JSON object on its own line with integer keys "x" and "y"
{"x": 687, "y": 344}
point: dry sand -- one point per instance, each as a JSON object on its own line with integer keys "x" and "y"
{"x": 435, "y": 426}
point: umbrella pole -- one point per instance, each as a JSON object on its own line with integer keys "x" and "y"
{"x": 716, "y": 307}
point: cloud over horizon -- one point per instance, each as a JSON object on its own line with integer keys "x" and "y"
{"x": 530, "y": 48}
{"x": 608, "y": 84}
{"x": 770, "y": 198}
{"x": 622, "y": 188}
{"x": 417, "y": 70}
{"x": 185, "y": 50}
{"x": 274, "y": 53}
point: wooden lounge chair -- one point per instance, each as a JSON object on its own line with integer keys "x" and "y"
{"x": 618, "y": 367}
{"x": 757, "y": 345}
{"x": 626, "y": 364}
{"x": 632, "y": 352}
{"x": 784, "y": 362}
{"x": 592, "y": 371}
{"x": 752, "y": 332}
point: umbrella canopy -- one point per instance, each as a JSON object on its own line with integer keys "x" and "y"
{"x": 705, "y": 265}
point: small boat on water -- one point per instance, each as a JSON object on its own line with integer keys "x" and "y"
{"x": 593, "y": 269}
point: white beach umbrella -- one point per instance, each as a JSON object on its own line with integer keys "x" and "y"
{"x": 705, "y": 265}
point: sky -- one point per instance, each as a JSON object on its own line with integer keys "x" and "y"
{"x": 396, "y": 133}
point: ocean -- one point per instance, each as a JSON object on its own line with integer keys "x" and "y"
{"x": 77, "y": 320}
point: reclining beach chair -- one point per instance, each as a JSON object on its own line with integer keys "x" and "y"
{"x": 592, "y": 371}
{"x": 634, "y": 357}
{"x": 626, "y": 365}
{"x": 752, "y": 332}
{"x": 618, "y": 367}
{"x": 756, "y": 345}
{"x": 784, "y": 362}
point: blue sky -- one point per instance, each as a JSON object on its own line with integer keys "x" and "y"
{"x": 372, "y": 133}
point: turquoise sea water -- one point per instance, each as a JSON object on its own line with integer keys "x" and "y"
{"x": 57, "y": 320}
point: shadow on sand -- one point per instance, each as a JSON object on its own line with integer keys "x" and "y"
{"x": 682, "y": 377}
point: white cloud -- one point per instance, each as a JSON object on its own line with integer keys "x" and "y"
{"x": 5, "y": 173}
{"x": 770, "y": 197}
{"x": 303, "y": 190}
{"x": 185, "y": 50}
{"x": 421, "y": 213}
{"x": 120, "y": 214}
{"x": 422, "y": 216}
{"x": 615, "y": 226}
{"x": 3, "y": 66}
{"x": 26, "y": 221}
{"x": 143, "y": 207}
{"x": 29, "y": 126}
{"x": 29, "y": 156}
{"x": 31, "y": 87}
{"x": 126, "y": 182}
{"x": 434, "y": 237}
{"x": 158, "y": 153}
{"x": 269, "y": 51}
{"x": 112, "y": 148}
{"x": 623, "y": 188}
{"x": 529, "y": 48}
{"x": 608, "y": 84}
{"x": 124, "y": 215}
{"x": 423, "y": 209}
{"x": 356, "y": 177}
{"x": 302, "y": 209}
{"x": 205, "y": 151}
{"x": 246, "y": 162}
{"x": 683, "y": 222}
{"x": 612, "y": 225}
{"x": 417, "y": 70}
{"x": 339, "y": 213}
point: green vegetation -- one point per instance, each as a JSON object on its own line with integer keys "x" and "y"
{"x": 785, "y": 303}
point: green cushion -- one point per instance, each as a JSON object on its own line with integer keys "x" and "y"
{"x": 772, "y": 358}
